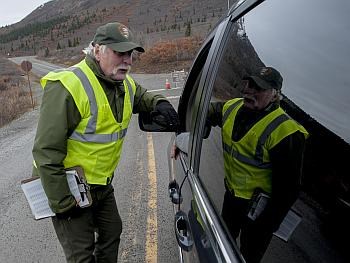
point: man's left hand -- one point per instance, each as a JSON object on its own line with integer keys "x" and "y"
{"x": 167, "y": 110}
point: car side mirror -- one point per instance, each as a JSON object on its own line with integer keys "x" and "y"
{"x": 150, "y": 122}
{"x": 182, "y": 141}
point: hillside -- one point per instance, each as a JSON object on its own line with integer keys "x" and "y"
{"x": 62, "y": 28}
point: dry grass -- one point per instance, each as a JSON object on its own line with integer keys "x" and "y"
{"x": 166, "y": 56}
{"x": 14, "y": 101}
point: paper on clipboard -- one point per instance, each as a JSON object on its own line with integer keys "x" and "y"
{"x": 37, "y": 199}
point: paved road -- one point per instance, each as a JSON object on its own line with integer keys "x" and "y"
{"x": 40, "y": 67}
{"x": 140, "y": 183}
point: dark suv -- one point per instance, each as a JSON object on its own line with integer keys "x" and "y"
{"x": 309, "y": 43}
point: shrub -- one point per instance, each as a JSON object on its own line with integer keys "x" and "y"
{"x": 13, "y": 101}
{"x": 171, "y": 51}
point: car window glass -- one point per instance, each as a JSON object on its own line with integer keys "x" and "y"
{"x": 189, "y": 102}
{"x": 312, "y": 57}
{"x": 310, "y": 51}
{"x": 192, "y": 105}
{"x": 226, "y": 86}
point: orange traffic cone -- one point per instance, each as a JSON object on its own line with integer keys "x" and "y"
{"x": 167, "y": 84}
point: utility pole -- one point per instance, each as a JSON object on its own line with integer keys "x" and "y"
{"x": 228, "y": 4}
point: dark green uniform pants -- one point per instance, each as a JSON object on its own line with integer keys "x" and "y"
{"x": 76, "y": 233}
{"x": 254, "y": 236}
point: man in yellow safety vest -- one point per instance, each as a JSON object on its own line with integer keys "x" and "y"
{"x": 84, "y": 117}
{"x": 263, "y": 153}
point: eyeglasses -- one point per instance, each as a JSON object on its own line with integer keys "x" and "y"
{"x": 122, "y": 54}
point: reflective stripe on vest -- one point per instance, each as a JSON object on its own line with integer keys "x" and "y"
{"x": 244, "y": 159}
{"x": 229, "y": 110}
{"x": 258, "y": 157}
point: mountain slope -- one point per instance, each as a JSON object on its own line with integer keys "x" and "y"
{"x": 70, "y": 24}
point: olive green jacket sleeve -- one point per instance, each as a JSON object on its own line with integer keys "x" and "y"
{"x": 145, "y": 101}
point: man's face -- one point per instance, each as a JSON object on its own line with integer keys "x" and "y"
{"x": 256, "y": 98}
{"x": 114, "y": 65}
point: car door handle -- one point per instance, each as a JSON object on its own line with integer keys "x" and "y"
{"x": 183, "y": 232}
{"x": 174, "y": 192}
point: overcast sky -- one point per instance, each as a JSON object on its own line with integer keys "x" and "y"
{"x": 13, "y": 11}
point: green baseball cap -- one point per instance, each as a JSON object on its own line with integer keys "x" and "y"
{"x": 267, "y": 78}
{"x": 117, "y": 37}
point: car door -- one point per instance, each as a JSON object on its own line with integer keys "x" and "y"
{"x": 199, "y": 230}
{"x": 299, "y": 46}
{"x": 190, "y": 223}
{"x": 300, "y": 39}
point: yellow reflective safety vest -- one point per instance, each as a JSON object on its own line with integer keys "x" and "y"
{"x": 96, "y": 143}
{"x": 247, "y": 161}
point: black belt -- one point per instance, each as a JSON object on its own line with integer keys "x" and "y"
{"x": 96, "y": 187}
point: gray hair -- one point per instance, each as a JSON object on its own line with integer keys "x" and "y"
{"x": 277, "y": 94}
{"x": 91, "y": 49}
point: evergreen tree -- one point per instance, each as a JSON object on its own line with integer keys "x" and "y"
{"x": 188, "y": 30}
{"x": 47, "y": 52}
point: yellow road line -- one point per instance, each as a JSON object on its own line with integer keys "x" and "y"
{"x": 151, "y": 233}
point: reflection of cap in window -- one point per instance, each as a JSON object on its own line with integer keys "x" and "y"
{"x": 266, "y": 78}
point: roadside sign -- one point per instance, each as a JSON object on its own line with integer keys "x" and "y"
{"x": 26, "y": 65}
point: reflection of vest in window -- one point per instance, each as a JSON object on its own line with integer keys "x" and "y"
{"x": 97, "y": 141}
{"x": 247, "y": 161}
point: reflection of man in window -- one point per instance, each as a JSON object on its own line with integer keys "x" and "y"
{"x": 263, "y": 150}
